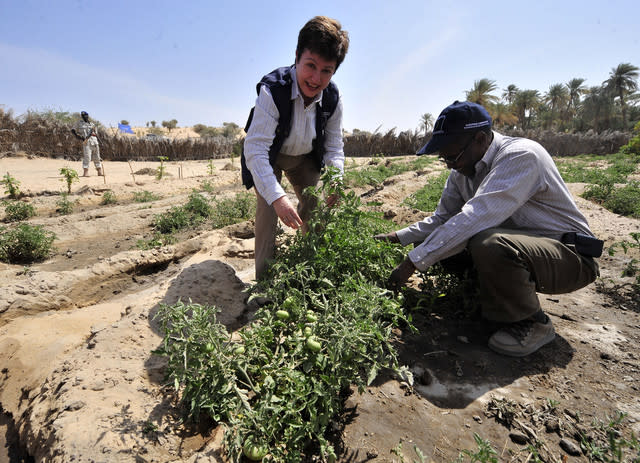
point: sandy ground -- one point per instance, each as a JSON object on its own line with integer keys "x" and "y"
{"x": 79, "y": 381}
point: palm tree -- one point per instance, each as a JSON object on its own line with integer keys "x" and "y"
{"x": 509, "y": 94}
{"x": 502, "y": 115}
{"x": 597, "y": 106}
{"x": 556, "y": 98}
{"x": 576, "y": 89}
{"x": 525, "y": 103}
{"x": 481, "y": 92}
{"x": 426, "y": 122}
{"x": 623, "y": 80}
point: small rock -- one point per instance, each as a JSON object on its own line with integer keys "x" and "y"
{"x": 552, "y": 425}
{"x": 463, "y": 339}
{"x": 518, "y": 438}
{"x": 371, "y": 454}
{"x": 77, "y": 405}
{"x": 477, "y": 418}
{"x": 570, "y": 447}
{"x": 605, "y": 356}
{"x": 98, "y": 386}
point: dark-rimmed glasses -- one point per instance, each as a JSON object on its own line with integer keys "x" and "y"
{"x": 452, "y": 162}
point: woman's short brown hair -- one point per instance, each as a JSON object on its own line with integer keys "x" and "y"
{"x": 325, "y": 37}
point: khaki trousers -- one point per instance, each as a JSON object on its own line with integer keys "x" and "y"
{"x": 512, "y": 266}
{"x": 301, "y": 171}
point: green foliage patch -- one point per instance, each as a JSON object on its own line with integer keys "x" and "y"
{"x": 228, "y": 211}
{"x": 379, "y": 170}
{"x": 145, "y": 196}
{"x": 12, "y": 186}
{"x": 426, "y": 198}
{"x": 25, "y": 244}
{"x": 16, "y": 211}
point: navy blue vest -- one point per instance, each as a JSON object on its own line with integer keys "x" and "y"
{"x": 279, "y": 83}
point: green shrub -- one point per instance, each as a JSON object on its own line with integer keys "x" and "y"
{"x": 207, "y": 186}
{"x": 625, "y": 200}
{"x": 109, "y": 197}
{"x": 145, "y": 196}
{"x": 633, "y": 147}
{"x": 15, "y": 211}
{"x": 12, "y": 186}
{"x": 233, "y": 210}
{"x": 65, "y": 206}
{"x": 158, "y": 240}
{"x": 161, "y": 169}
{"x": 69, "y": 176}
{"x": 25, "y": 244}
{"x": 171, "y": 221}
{"x": 198, "y": 206}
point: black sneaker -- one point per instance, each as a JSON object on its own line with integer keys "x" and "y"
{"x": 522, "y": 338}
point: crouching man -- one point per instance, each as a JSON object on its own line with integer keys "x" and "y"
{"x": 505, "y": 212}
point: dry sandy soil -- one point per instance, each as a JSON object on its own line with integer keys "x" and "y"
{"x": 79, "y": 381}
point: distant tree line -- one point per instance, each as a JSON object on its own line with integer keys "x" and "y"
{"x": 565, "y": 107}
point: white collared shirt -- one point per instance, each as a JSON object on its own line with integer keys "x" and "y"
{"x": 516, "y": 186}
{"x": 303, "y": 132}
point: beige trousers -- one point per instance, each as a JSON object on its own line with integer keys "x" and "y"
{"x": 301, "y": 171}
{"x": 91, "y": 152}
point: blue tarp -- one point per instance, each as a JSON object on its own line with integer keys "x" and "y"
{"x": 125, "y": 128}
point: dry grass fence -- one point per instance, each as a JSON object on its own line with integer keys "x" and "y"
{"x": 45, "y": 137}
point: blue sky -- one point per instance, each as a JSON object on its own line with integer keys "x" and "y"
{"x": 199, "y": 61}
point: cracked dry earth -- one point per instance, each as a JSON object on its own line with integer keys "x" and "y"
{"x": 79, "y": 381}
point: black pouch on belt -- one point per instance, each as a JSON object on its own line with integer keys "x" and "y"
{"x": 585, "y": 244}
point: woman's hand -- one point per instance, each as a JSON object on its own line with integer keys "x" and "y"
{"x": 287, "y": 213}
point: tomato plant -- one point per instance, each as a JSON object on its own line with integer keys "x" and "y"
{"x": 329, "y": 326}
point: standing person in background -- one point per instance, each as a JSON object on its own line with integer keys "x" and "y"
{"x": 295, "y": 128}
{"x": 506, "y": 214}
{"x": 85, "y": 131}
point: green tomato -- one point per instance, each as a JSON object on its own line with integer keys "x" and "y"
{"x": 311, "y": 317}
{"x": 313, "y": 345}
{"x": 289, "y": 303}
{"x": 282, "y": 315}
{"x": 209, "y": 347}
{"x": 254, "y": 452}
{"x": 239, "y": 350}
{"x": 308, "y": 331}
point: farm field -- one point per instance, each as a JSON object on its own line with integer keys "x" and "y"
{"x": 80, "y": 382}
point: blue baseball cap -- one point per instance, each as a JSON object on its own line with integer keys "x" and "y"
{"x": 456, "y": 120}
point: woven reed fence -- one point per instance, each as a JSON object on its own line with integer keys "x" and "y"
{"x": 44, "y": 137}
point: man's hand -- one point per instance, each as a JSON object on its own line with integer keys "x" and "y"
{"x": 287, "y": 213}
{"x": 401, "y": 274}
{"x": 390, "y": 237}
{"x": 332, "y": 200}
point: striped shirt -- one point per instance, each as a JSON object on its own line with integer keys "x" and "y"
{"x": 303, "y": 132}
{"x": 516, "y": 186}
